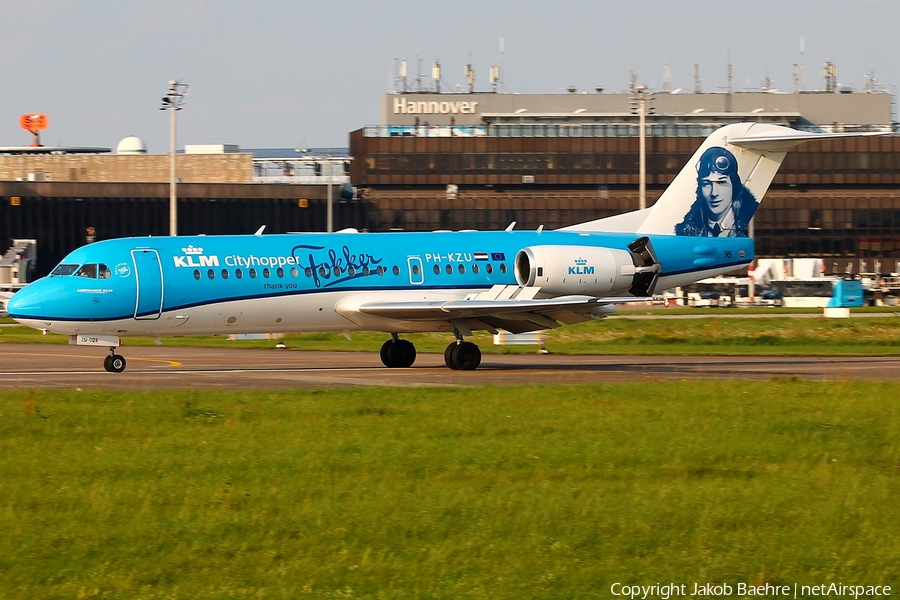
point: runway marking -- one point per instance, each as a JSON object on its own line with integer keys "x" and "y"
{"x": 171, "y": 363}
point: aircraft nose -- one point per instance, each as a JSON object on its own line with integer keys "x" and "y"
{"x": 27, "y": 303}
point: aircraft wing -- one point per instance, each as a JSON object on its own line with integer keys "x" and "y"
{"x": 503, "y": 307}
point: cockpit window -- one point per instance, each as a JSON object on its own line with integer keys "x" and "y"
{"x": 104, "y": 271}
{"x": 89, "y": 270}
{"x": 63, "y": 270}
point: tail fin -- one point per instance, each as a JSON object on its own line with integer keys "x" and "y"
{"x": 718, "y": 191}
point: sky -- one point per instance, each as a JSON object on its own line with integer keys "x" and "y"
{"x": 292, "y": 73}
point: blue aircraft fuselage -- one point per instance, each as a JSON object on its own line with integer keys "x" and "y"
{"x": 144, "y": 279}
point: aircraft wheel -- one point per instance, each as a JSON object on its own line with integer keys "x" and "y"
{"x": 467, "y": 356}
{"x": 401, "y": 354}
{"x": 449, "y": 359}
{"x": 385, "y": 352}
{"x": 116, "y": 363}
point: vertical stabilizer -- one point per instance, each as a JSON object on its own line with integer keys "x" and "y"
{"x": 718, "y": 191}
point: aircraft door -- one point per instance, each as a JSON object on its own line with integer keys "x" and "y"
{"x": 149, "y": 278}
{"x": 416, "y": 272}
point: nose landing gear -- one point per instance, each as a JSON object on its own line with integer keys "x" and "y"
{"x": 114, "y": 363}
{"x": 398, "y": 353}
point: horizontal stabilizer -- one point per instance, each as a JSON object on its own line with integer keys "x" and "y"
{"x": 776, "y": 141}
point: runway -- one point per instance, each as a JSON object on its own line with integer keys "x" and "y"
{"x": 25, "y": 366}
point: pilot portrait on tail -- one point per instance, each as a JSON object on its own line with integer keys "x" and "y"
{"x": 723, "y": 207}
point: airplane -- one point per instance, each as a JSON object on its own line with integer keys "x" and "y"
{"x": 404, "y": 282}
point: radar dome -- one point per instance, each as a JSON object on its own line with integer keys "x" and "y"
{"x": 131, "y": 145}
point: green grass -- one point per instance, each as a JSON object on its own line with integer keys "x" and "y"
{"x": 527, "y": 492}
{"x": 779, "y": 335}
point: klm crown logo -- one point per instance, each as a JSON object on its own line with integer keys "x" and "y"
{"x": 192, "y": 250}
{"x": 581, "y": 267}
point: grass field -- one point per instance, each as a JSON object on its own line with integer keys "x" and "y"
{"x": 778, "y": 335}
{"x": 526, "y": 492}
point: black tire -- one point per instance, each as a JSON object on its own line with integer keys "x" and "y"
{"x": 106, "y": 364}
{"x": 467, "y": 356}
{"x": 385, "y": 352}
{"x": 402, "y": 354}
{"x": 117, "y": 363}
{"x": 449, "y": 356}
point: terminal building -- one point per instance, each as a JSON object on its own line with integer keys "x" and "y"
{"x": 458, "y": 161}
{"x": 480, "y": 161}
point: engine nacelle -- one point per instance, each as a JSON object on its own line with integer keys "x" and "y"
{"x": 564, "y": 270}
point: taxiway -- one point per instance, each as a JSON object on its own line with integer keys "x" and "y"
{"x": 25, "y": 366}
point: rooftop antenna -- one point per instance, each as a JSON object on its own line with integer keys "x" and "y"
{"x": 436, "y": 75}
{"x": 500, "y": 66}
{"x": 730, "y": 76}
{"x": 495, "y": 77}
{"x": 667, "y": 78}
{"x": 404, "y": 88}
{"x": 830, "y": 72}
{"x": 796, "y": 78}
{"x": 418, "y": 72}
{"x": 871, "y": 82}
{"x": 470, "y": 75}
{"x": 697, "y": 88}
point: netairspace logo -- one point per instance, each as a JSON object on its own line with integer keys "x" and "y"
{"x": 741, "y": 589}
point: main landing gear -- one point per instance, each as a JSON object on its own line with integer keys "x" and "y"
{"x": 114, "y": 363}
{"x": 462, "y": 356}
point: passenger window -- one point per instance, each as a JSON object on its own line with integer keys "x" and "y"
{"x": 238, "y": 273}
{"x": 489, "y": 268}
{"x": 395, "y": 270}
{"x": 415, "y": 269}
{"x": 280, "y": 272}
{"x": 365, "y": 271}
{"x": 252, "y": 273}
{"x": 104, "y": 272}
{"x": 294, "y": 272}
{"x": 224, "y": 274}
{"x": 503, "y": 268}
{"x": 381, "y": 270}
{"x": 337, "y": 271}
{"x": 89, "y": 270}
{"x": 197, "y": 274}
{"x": 449, "y": 270}
{"x": 437, "y": 270}
{"x": 64, "y": 270}
{"x": 211, "y": 274}
{"x": 266, "y": 272}
{"x": 307, "y": 271}
{"x": 323, "y": 272}
{"x": 475, "y": 269}
{"x": 462, "y": 269}
{"x": 351, "y": 271}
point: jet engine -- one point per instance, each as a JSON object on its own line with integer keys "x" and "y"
{"x": 590, "y": 270}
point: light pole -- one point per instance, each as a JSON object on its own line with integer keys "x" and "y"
{"x": 639, "y": 101}
{"x": 330, "y": 210}
{"x": 173, "y": 101}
